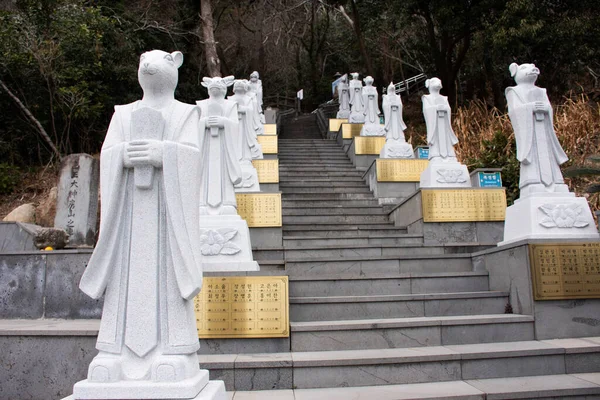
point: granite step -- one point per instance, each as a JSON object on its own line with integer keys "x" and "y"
{"x": 335, "y": 219}
{"x": 323, "y": 183}
{"x": 393, "y": 333}
{"x": 342, "y": 230}
{"x": 367, "y": 250}
{"x": 341, "y": 308}
{"x": 335, "y": 180}
{"x": 319, "y": 175}
{"x": 472, "y": 363}
{"x": 545, "y": 387}
{"x": 328, "y": 196}
{"x": 364, "y": 210}
{"x": 302, "y": 242}
{"x": 318, "y": 190}
{"x": 321, "y": 285}
{"x": 376, "y": 266}
{"x": 313, "y": 168}
{"x": 339, "y": 203}
{"x": 314, "y": 160}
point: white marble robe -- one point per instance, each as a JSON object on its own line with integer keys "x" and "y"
{"x": 394, "y": 123}
{"x": 220, "y": 168}
{"x": 369, "y": 99}
{"x": 344, "y": 100}
{"x": 356, "y": 99}
{"x": 440, "y": 136}
{"x": 249, "y": 126}
{"x": 147, "y": 259}
{"x": 538, "y": 148}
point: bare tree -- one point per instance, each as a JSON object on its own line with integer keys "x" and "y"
{"x": 213, "y": 63}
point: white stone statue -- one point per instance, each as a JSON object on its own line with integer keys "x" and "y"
{"x": 444, "y": 170}
{"x": 371, "y": 126}
{"x": 545, "y": 208}
{"x": 147, "y": 263}
{"x": 357, "y": 106}
{"x": 344, "y": 98}
{"x": 395, "y": 142}
{"x": 224, "y": 237}
{"x": 247, "y": 145}
{"x": 256, "y": 87}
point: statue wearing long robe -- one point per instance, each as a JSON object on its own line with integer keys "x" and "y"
{"x": 394, "y": 123}
{"x": 249, "y": 125}
{"x": 538, "y": 148}
{"x": 147, "y": 262}
{"x": 369, "y": 99}
{"x": 440, "y": 136}
{"x": 220, "y": 169}
{"x": 344, "y": 99}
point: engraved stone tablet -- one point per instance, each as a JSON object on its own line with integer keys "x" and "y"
{"x": 335, "y": 123}
{"x": 350, "y": 130}
{"x": 268, "y": 143}
{"x": 565, "y": 270}
{"x": 268, "y": 170}
{"x": 368, "y": 145}
{"x": 260, "y": 209}
{"x": 248, "y": 307}
{"x": 270, "y": 130}
{"x": 463, "y": 205}
{"x": 400, "y": 170}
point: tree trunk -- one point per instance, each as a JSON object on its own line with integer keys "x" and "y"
{"x": 210, "y": 46}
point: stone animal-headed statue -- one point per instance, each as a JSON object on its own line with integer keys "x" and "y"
{"x": 369, "y": 95}
{"x": 395, "y": 142}
{"x": 255, "y": 86}
{"x": 344, "y": 98}
{"x": 357, "y": 107}
{"x": 538, "y": 149}
{"x": 147, "y": 263}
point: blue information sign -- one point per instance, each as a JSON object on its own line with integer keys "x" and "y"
{"x": 490, "y": 179}
{"x": 423, "y": 152}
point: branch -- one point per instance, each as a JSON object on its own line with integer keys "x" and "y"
{"x": 348, "y": 19}
{"x": 29, "y": 115}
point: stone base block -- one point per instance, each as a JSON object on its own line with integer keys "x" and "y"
{"x": 269, "y": 187}
{"x": 249, "y": 179}
{"x": 225, "y": 244}
{"x": 372, "y": 130}
{"x": 187, "y": 389}
{"x": 396, "y": 149}
{"x": 356, "y": 118}
{"x": 267, "y": 238}
{"x": 445, "y": 174}
{"x": 549, "y": 216}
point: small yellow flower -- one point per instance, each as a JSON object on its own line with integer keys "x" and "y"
{"x": 49, "y": 248}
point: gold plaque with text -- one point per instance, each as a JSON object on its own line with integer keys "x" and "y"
{"x": 335, "y": 123}
{"x": 268, "y": 144}
{"x": 243, "y": 307}
{"x": 368, "y": 145}
{"x": 270, "y": 129}
{"x": 400, "y": 170}
{"x": 565, "y": 270}
{"x": 268, "y": 170}
{"x": 350, "y": 130}
{"x": 463, "y": 205}
{"x": 260, "y": 210}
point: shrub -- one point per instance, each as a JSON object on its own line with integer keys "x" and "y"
{"x": 9, "y": 178}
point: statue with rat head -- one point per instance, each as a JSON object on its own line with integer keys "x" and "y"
{"x": 146, "y": 262}
{"x": 344, "y": 98}
{"x": 538, "y": 149}
{"x": 218, "y": 130}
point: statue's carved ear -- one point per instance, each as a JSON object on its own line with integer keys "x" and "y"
{"x": 229, "y": 80}
{"x": 177, "y": 58}
{"x": 513, "y": 69}
{"x": 206, "y": 81}
{"x": 427, "y": 83}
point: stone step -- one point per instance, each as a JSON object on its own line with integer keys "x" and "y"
{"x": 344, "y": 252}
{"x": 546, "y": 387}
{"x": 293, "y": 167}
{"x": 302, "y": 242}
{"x": 328, "y": 196}
{"x": 396, "y": 333}
{"x": 326, "y": 183}
{"x": 341, "y": 203}
{"x": 314, "y": 160}
{"x": 396, "y": 306}
{"x": 332, "y": 180}
{"x": 409, "y": 283}
{"x": 376, "y": 266}
{"x": 365, "y": 210}
{"x": 318, "y": 190}
{"x": 433, "y": 364}
{"x": 335, "y": 219}
{"x": 320, "y": 174}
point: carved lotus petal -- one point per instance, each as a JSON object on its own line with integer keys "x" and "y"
{"x": 563, "y": 216}
{"x": 215, "y": 242}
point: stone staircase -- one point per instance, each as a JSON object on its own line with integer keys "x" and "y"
{"x": 370, "y": 305}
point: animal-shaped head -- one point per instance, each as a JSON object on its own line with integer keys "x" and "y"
{"x": 433, "y": 84}
{"x": 354, "y": 75}
{"x": 391, "y": 89}
{"x": 254, "y": 76}
{"x": 524, "y": 73}
{"x": 158, "y": 70}
{"x": 217, "y": 86}
{"x": 240, "y": 86}
{"x": 368, "y": 81}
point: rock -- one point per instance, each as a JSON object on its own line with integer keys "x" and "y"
{"x": 50, "y": 237}
{"x": 46, "y": 210}
{"x": 23, "y": 213}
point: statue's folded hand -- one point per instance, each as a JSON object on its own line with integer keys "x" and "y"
{"x": 144, "y": 152}
{"x": 540, "y": 106}
{"x": 215, "y": 121}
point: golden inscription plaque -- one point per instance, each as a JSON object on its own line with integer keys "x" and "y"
{"x": 268, "y": 143}
{"x": 243, "y": 307}
{"x": 268, "y": 170}
{"x": 400, "y": 170}
{"x": 565, "y": 270}
{"x": 368, "y": 145}
{"x": 463, "y": 205}
{"x": 335, "y": 123}
{"x": 350, "y": 130}
{"x": 260, "y": 210}
{"x": 270, "y": 129}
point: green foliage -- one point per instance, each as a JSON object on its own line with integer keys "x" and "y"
{"x": 9, "y": 178}
{"x": 500, "y": 153}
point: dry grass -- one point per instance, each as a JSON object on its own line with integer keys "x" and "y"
{"x": 577, "y": 125}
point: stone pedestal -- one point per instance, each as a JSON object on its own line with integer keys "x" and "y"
{"x": 225, "y": 244}
{"x": 549, "y": 216}
{"x": 394, "y": 180}
{"x": 364, "y": 150}
{"x": 372, "y": 130}
{"x": 77, "y": 202}
{"x": 396, "y": 149}
{"x": 356, "y": 117}
{"x": 200, "y": 389}
{"x": 249, "y": 179}
{"x": 445, "y": 174}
